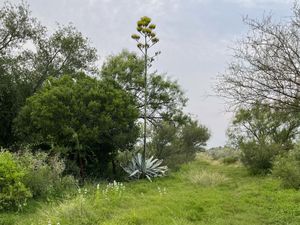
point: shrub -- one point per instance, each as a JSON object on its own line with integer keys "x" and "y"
{"x": 258, "y": 157}
{"x": 178, "y": 144}
{"x": 44, "y": 174}
{"x": 13, "y": 192}
{"x": 287, "y": 167}
{"x": 96, "y": 130}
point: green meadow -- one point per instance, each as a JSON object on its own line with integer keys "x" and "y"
{"x": 201, "y": 192}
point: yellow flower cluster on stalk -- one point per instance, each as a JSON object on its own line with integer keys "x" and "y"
{"x": 145, "y": 29}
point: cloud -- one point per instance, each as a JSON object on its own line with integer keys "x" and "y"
{"x": 256, "y": 3}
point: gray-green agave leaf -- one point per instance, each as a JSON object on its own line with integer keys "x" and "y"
{"x": 153, "y": 167}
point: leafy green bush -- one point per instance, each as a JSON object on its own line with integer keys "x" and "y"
{"x": 258, "y": 157}
{"x": 43, "y": 174}
{"x": 13, "y": 192}
{"x": 262, "y": 132}
{"x": 178, "y": 144}
{"x": 79, "y": 113}
{"x": 287, "y": 167}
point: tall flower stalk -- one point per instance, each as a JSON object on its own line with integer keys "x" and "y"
{"x": 145, "y": 39}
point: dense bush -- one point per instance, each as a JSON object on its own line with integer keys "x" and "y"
{"x": 177, "y": 144}
{"x": 90, "y": 119}
{"x": 43, "y": 174}
{"x": 13, "y": 192}
{"x": 261, "y": 133}
{"x": 258, "y": 157}
{"x": 287, "y": 167}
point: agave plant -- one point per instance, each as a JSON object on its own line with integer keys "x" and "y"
{"x": 153, "y": 167}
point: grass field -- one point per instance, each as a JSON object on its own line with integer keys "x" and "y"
{"x": 202, "y": 192}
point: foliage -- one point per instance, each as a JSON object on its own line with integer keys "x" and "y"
{"x": 165, "y": 97}
{"x": 43, "y": 174}
{"x": 194, "y": 136}
{"x": 259, "y": 157}
{"x": 287, "y": 167}
{"x": 16, "y": 28}
{"x": 24, "y": 69}
{"x": 153, "y": 167}
{"x": 261, "y": 133}
{"x": 89, "y": 118}
{"x": 177, "y": 144}
{"x": 13, "y": 192}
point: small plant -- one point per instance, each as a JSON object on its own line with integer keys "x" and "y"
{"x": 153, "y": 167}
{"x": 161, "y": 191}
{"x": 113, "y": 191}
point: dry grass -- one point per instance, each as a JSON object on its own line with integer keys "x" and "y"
{"x": 206, "y": 178}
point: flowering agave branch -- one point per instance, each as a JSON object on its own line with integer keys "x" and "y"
{"x": 145, "y": 40}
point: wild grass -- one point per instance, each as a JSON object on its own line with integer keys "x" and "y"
{"x": 206, "y": 178}
{"x": 227, "y": 195}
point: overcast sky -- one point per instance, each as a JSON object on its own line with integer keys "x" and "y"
{"x": 195, "y": 36}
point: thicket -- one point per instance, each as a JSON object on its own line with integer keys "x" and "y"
{"x": 27, "y": 175}
{"x": 287, "y": 167}
{"x": 14, "y": 193}
{"x": 178, "y": 143}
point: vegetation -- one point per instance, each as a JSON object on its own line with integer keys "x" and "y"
{"x": 61, "y": 119}
{"x": 224, "y": 194}
{"x": 265, "y": 64}
{"x": 225, "y": 154}
{"x": 165, "y": 97}
{"x": 13, "y": 192}
{"x": 287, "y": 167}
{"x": 145, "y": 29}
{"x": 89, "y": 118}
{"x": 23, "y": 70}
{"x": 26, "y": 175}
{"x": 44, "y": 174}
{"x": 178, "y": 143}
{"x": 261, "y": 133}
{"x": 152, "y": 167}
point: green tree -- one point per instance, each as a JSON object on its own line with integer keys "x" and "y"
{"x": 23, "y": 69}
{"x": 16, "y": 28}
{"x": 177, "y": 144}
{"x": 91, "y": 119}
{"x": 166, "y": 99}
{"x": 261, "y": 133}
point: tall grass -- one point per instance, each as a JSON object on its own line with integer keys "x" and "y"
{"x": 206, "y": 178}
